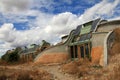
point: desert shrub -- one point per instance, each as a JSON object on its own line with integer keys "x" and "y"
{"x": 14, "y": 56}
{"x": 71, "y": 68}
{"x": 11, "y": 57}
{"x": 24, "y": 77}
{"x": 3, "y": 77}
{"x": 5, "y": 57}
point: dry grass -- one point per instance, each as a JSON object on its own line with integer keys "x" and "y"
{"x": 86, "y": 71}
{"x": 70, "y": 68}
{"x": 18, "y": 74}
{"x": 113, "y": 69}
{"x": 78, "y": 67}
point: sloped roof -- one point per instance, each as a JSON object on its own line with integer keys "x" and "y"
{"x": 85, "y": 31}
{"x": 77, "y": 30}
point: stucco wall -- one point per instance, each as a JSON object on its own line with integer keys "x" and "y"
{"x": 98, "y": 39}
{"x": 58, "y": 57}
{"x": 96, "y": 54}
{"x": 57, "y": 54}
{"x": 107, "y": 39}
{"x": 97, "y": 47}
{"x": 102, "y": 41}
{"x": 109, "y": 26}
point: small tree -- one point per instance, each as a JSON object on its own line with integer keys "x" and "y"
{"x": 13, "y": 56}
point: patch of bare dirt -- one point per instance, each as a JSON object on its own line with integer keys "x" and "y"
{"x": 80, "y": 69}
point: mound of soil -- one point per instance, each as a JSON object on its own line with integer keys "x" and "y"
{"x": 115, "y": 48}
{"x": 113, "y": 69}
{"x": 116, "y": 44}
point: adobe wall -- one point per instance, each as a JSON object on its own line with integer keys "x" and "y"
{"x": 108, "y": 26}
{"x": 102, "y": 40}
{"x": 58, "y": 54}
{"x": 58, "y": 57}
{"x": 97, "y": 47}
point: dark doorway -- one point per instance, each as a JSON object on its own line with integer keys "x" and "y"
{"x": 76, "y": 52}
{"x": 87, "y": 50}
{"x": 71, "y": 52}
{"x": 82, "y": 51}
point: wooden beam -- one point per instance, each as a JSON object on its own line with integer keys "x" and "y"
{"x": 79, "y": 52}
{"x": 84, "y": 51}
{"x": 69, "y": 51}
{"x": 22, "y": 57}
{"x": 89, "y": 49}
{"x": 27, "y": 57}
{"x": 73, "y": 51}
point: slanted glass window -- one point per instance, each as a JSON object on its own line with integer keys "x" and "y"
{"x": 86, "y": 29}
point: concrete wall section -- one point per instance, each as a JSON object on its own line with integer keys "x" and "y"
{"x": 108, "y": 42}
{"x": 97, "y": 46}
{"x": 56, "y": 54}
{"x": 108, "y": 26}
{"x": 96, "y": 54}
{"x": 98, "y": 39}
{"x": 58, "y": 57}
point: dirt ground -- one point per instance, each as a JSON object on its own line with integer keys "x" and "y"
{"x": 80, "y": 69}
{"x": 75, "y": 70}
{"x": 23, "y": 72}
{"x": 88, "y": 71}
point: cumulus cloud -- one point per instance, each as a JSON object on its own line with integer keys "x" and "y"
{"x": 6, "y": 32}
{"x": 102, "y": 9}
{"x": 14, "y": 5}
{"x": 54, "y": 28}
{"x": 41, "y": 20}
{"x": 18, "y": 38}
{"x": 49, "y": 26}
{"x": 4, "y": 47}
{"x": 61, "y": 23}
{"x": 115, "y": 18}
{"x": 43, "y": 4}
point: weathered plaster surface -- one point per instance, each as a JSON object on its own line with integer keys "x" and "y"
{"x": 96, "y": 54}
{"x": 52, "y": 58}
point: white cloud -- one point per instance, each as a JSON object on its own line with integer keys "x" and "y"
{"x": 13, "y": 6}
{"x": 4, "y": 47}
{"x": 55, "y": 27}
{"x": 43, "y": 3}
{"x": 102, "y": 9}
{"x": 7, "y": 32}
{"x": 62, "y": 23}
{"x": 50, "y": 27}
{"x": 41, "y": 20}
{"x": 115, "y": 18}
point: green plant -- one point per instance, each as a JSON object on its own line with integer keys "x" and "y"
{"x": 12, "y": 56}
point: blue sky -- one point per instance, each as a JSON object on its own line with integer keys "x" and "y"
{"x": 26, "y": 22}
{"x": 56, "y": 7}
